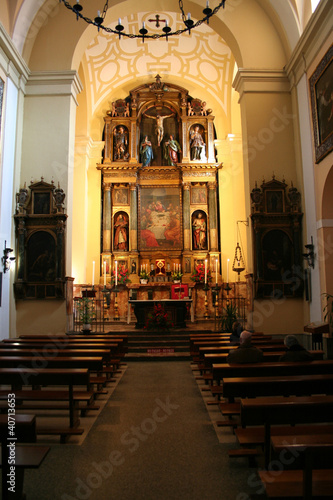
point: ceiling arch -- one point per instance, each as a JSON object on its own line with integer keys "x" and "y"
{"x": 50, "y": 38}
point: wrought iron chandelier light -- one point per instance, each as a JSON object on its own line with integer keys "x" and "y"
{"x": 143, "y": 32}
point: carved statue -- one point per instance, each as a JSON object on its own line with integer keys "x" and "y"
{"x": 197, "y": 143}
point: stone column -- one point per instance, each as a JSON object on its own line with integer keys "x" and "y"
{"x": 186, "y": 216}
{"x": 106, "y": 217}
{"x": 212, "y": 208}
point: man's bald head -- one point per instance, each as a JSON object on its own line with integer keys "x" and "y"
{"x": 245, "y": 336}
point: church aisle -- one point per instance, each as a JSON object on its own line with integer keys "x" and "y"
{"x": 154, "y": 440}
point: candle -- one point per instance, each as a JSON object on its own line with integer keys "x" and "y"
{"x": 180, "y": 267}
{"x": 116, "y": 263}
{"x": 93, "y": 274}
{"x": 216, "y": 271}
{"x": 105, "y": 273}
{"x": 227, "y": 270}
{"x": 174, "y": 266}
{"x": 189, "y": 16}
{"x": 205, "y": 271}
{"x": 141, "y": 267}
{"x": 119, "y": 21}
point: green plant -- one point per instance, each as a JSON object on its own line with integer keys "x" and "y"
{"x": 328, "y": 310}
{"x": 86, "y": 310}
{"x": 229, "y": 316}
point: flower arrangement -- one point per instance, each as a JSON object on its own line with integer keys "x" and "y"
{"x": 122, "y": 275}
{"x": 198, "y": 274}
{"x": 144, "y": 275}
{"x": 158, "y": 319}
{"x": 176, "y": 276}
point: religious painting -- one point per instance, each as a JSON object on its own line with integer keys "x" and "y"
{"x": 133, "y": 267}
{"x": 42, "y": 203}
{"x": 160, "y": 215}
{"x": 198, "y": 195}
{"x": 277, "y": 251}
{"x": 199, "y": 230}
{"x": 41, "y": 257}
{"x": 120, "y": 196}
{"x": 274, "y": 201}
{"x": 321, "y": 93}
{"x": 120, "y": 231}
{"x": 106, "y": 261}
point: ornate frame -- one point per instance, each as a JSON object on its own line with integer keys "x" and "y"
{"x": 321, "y": 89}
{"x": 164, "y": 196}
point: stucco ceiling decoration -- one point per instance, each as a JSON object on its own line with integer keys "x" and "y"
{"x": 202, "y": 59}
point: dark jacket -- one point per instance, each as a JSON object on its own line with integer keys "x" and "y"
{"x": 296, "y": 353}
{"x": 246, "y": 353}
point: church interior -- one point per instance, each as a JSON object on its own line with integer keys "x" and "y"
{"x": 174, "y": 153}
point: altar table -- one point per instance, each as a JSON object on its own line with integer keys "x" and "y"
{"x": 176, "y": 309}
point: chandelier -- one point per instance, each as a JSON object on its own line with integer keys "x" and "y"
{"x": 189, "y": 24}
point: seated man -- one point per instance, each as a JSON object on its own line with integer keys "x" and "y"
{"x": 246, "y": 352}
{"x": 295, "y": 351}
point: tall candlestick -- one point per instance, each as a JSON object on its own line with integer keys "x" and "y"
{"x": 216, "y": 271}
{"x": 116, "y": 263}
{"x": 228, "y": 270}
{"x": 93, "y": 274}
{"x": 105, "y": 273}
{"x": 205, "y": 271}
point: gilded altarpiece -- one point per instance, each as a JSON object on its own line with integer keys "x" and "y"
{"x": 159, "y": 192}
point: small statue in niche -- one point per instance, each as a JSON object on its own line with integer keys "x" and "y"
{"x": 121, "y": 232}
{"x": 120, "y": 144}
{"x": 146, "y": 152}
{"x": 197, "y": 143}
{"x": 199, "y": 231}
{"x": 171, "y": 150}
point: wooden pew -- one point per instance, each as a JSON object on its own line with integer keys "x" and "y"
{"x": 18, "y": 377}
{"x": 313, "y": 452}
{"x": 26, "y": 457}
{"x": 280, "y": 410}
{"x": 210, "y": 359}
{"x": 224, "y": 370}
{"x": 296, "y": 385}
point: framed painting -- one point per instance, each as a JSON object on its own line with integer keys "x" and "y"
{"x": 160, "y": 218}
{"x": 42, "y": 202}
{"x": 321, "y": 93}
{"x": 198, "y": 195}
{"x": 274, "y": 201}
{"x": 120, "y": 196}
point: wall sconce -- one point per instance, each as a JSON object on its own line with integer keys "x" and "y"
{"x": 309, "y": 256}
{"x": 6, "y": 260}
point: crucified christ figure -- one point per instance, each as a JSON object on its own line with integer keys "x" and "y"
{"x": 159, "y": 125}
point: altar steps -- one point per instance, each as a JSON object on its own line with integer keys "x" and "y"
{"x": 158, "y": 347}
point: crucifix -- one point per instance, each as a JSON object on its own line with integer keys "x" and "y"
{"x": 157, "y": 20}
